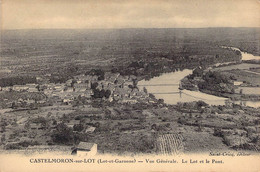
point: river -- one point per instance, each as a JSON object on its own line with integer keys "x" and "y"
{"x": 166, "y": 87}
{"x": 245, "y": 55}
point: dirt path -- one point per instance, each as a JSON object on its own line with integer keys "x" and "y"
{"x": 252, "y": 72}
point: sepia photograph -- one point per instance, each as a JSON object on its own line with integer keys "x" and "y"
{"x": 113, "y": 85}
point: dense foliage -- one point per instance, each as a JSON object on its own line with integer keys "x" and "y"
{"x": 215, "y": 81}
{"x": 19, "y": 80}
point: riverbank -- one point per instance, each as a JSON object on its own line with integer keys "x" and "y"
{"x": 233, "y": 81}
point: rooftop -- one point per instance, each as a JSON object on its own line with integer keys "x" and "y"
{"x": 85, "y": 145}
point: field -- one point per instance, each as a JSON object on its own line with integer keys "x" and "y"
{"x": 244, "y": 76}
{"x": 242, "y": 66}
{"x": 40, "y": 52}
{"x": 249, "y": 90}
{"x": 170, "y": 144}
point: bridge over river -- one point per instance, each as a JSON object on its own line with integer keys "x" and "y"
{"x": 171, "y": 91}
{"x": 180, "y": 92}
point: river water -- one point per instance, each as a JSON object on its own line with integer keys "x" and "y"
{"x": 166, "y": 87}
{"x": 245, "y": 55}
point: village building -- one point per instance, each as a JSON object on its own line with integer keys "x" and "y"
{"x": 89, "y": 93}
{"x": 127, "y": 83}
{"x": 110, "y": 99}
{"x": 32, "y": 87}
{"x": 128, "y": 100}
{"x": 68, "y": 82}
{"x": 6, "y": 88}
{"x": 80, "y": 78}
{"x": 29, "y": 101}
{"x": 37, "y": 126}
{"x": 91, "y": 78}
{"x": 68, "y": 89}
{"x": 68, "y": 99}
{"x": 47, "y": 92}
{"x": 59, "y": 87}
{"x": 81, "y": 87}
{"x": 38, "y": 78}
{"x": 56, "y": 93}
{"x": 90, "y": 129}
{"x": 20, "y": 87}
{"x": 237, "y": 83}
{"x": 72, "y": 123}
{"x": 86, "y": 149}
{"x": 41, "y": 101}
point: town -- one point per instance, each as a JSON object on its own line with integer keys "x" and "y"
{"x": 36, "y": 110}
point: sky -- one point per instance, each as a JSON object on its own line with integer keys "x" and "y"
{"x": 69, "y": 14}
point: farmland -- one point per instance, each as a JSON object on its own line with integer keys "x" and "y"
{"x": 170, "y": 144}
{"x": 40, "y": 52}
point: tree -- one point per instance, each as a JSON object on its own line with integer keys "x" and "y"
{"x": 96, "y": 93}
{"x": 54, "y": 122}
{"x": 197, "y": 72}
{"x": 78, "y": 127}
{"x": 73, "y": 82}
{"x": 3, "y": 129}
{"x": 102, "y": 93}
{"x": 145, "y": 90}
{"x": 3, "y": 138}
{"x": 62, "y": 134}
{"x": 101, "y": 77}
{"x": 97, "y": 124}
{"x": 94, "y": 85}
{"x": 154, "y": 127}
{"x": 160, "y": 101}
{"x": 135, "y": 83}
{"x": 151, "y": 96}
{"x": 201, "y": 103}
{"x": 107, "y": 93}
{"x": 98, "y": 72}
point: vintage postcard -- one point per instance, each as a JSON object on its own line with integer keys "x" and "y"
{"x": 142, "y": 85}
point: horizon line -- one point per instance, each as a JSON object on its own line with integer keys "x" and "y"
{"x": 130, "y": 28}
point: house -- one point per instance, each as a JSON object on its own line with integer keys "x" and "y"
{"x": 39, "y": 78}
{"x": 47, "y": 92}
{"x": 72, "y": 123}
{"x": 110, "y": 99}
{"x": 32, "y": 88}
{"x": 41, "y": 101}
{"x": 237, "y": 83}
{"x": 128, "y": 100}
{"x": 89, "y": 93}
{"x": 85, "y": 149}
{"x": 37, "y": 126}
{"x": 127, "y": 83}
{"x": 81, "y": 87}
{"x": 56, "y": 93}
{"x": 68, "y": 82}
{"x": 81, "y": 78}
{"x": 20, "y": 87}
{"x": 68, "y": 89}
{"x": 29, "y": 101}
{"x": 68, "y": 99}
{"x": 90, "y": 129}
{"x": 59, "y": 87}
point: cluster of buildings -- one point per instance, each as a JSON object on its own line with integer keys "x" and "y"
{"x": 121, "y": 88}
{"x": 27, "y": 87}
